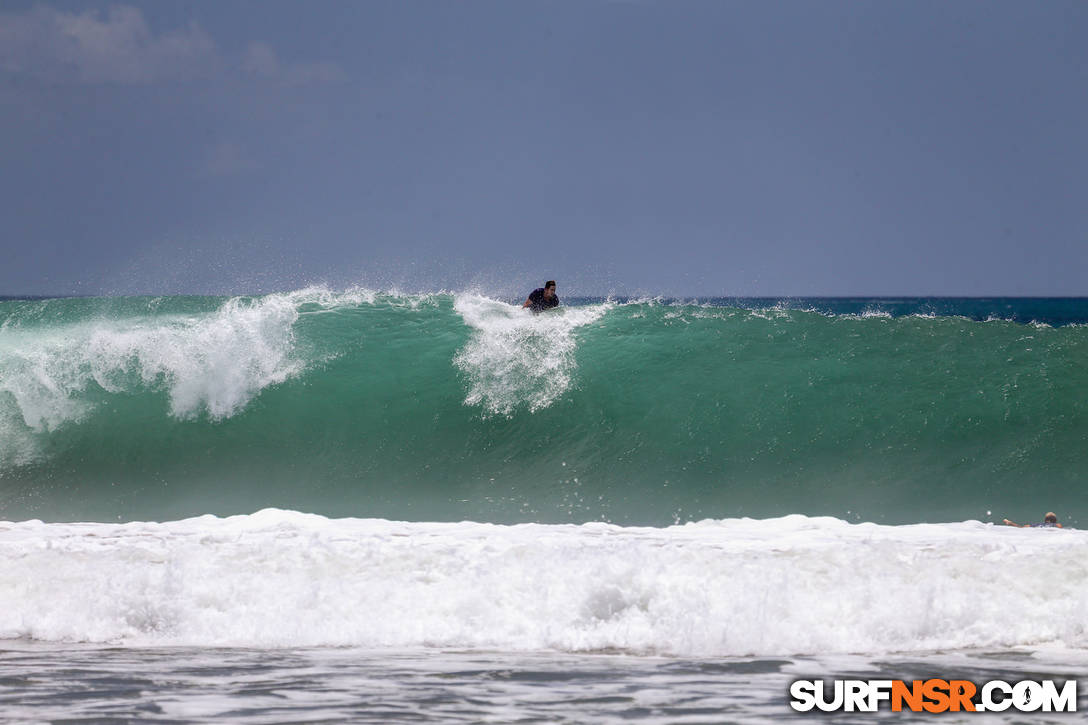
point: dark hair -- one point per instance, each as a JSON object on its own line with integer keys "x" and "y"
{"x": 1051, "y": 519}
{"x": 549, "y": 283}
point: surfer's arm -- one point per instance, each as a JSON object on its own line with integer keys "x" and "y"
{"x": 528, "y": 301}
{"x": 1013, "y": 523}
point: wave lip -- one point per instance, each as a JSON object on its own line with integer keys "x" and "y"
{"x": 455, "y": 406}
{"x": 211, "y": 363}
{"x": 516, "y": 359}
{"x": 793, "y": 585}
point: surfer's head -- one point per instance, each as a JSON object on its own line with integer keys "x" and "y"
{"x": 1050, "y": 518}
{"x": 549, "y": 288}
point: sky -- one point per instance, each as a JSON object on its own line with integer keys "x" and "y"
{"x": 621, "y": 147}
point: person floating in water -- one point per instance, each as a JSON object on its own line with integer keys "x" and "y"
{"x": 542, "y": 298}
{"x": 1049, "y": 521}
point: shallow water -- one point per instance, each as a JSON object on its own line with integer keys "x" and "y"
{"x": 453, "y": 511}
{"x": 85, "y": 683}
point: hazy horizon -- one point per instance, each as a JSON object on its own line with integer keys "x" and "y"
{"x": 680, "y": 149}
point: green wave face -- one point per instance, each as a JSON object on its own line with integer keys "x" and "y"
{"x": 443, "y": 407}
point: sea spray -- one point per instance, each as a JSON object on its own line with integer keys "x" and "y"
{"x": 515, "y": 359}
{"x": 448, "y": 407}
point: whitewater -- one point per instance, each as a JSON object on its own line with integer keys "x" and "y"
{"x": 795, "y": 585}
{"x": 617, "y": 499}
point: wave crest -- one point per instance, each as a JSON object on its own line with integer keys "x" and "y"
{"x": 515, "y": 358}
{"x": 211, "y": 363}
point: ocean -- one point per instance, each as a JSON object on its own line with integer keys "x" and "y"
{"x": 353, "y": 505}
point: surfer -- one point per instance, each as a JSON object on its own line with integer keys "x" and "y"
{"x": 1049, "y": 521}
{"x": 542, "y": 298}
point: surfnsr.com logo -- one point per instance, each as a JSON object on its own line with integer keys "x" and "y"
{"x": 933, "y": 695}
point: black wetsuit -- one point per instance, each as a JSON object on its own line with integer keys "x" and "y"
{"x": 538, "y": 303}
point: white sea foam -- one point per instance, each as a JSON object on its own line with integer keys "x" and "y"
{"x": 515, "y": 358}
{"x": 210, "y": 363}
{"x": 734, "y": 587}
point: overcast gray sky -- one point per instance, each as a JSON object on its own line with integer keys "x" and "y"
{"x": 678, "y": 148}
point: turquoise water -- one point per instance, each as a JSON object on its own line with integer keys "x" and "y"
{"x": 447, "y": 407}
{"x": 371, "y": 442}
